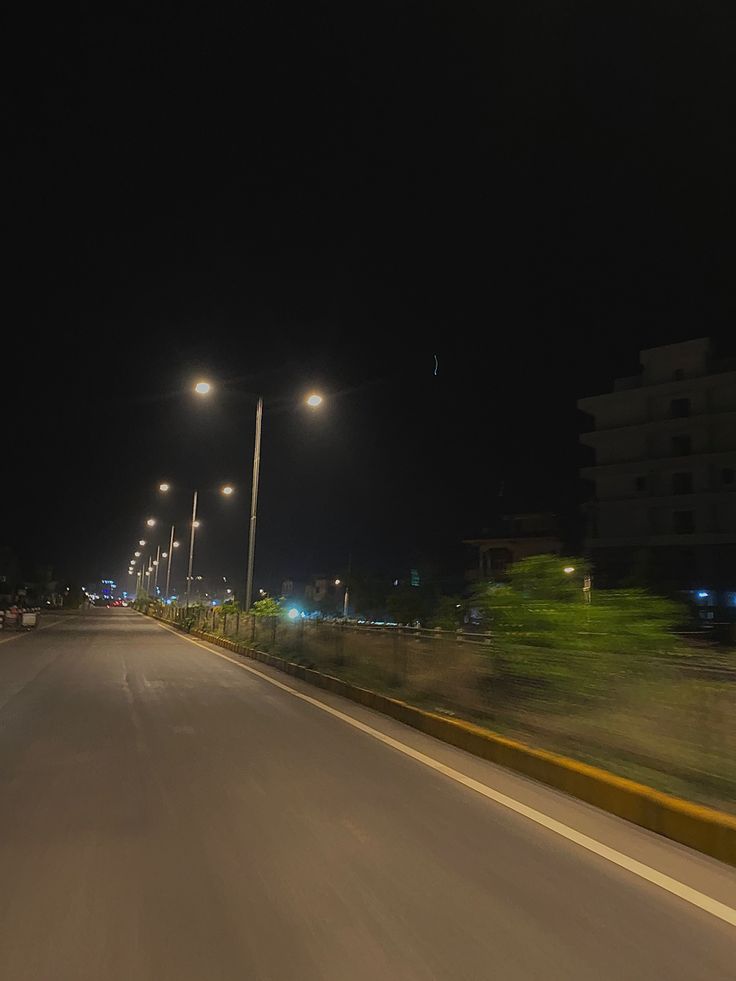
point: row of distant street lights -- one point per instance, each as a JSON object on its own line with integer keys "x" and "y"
{"x": 150, "y": 568}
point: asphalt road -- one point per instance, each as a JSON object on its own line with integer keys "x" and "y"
{"x": 165, "y": 814}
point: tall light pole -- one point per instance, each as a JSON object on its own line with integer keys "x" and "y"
{"x": 191, "y": 545}
{"x": 313, "y": 400}
{"x": 227, "y": 490}
{"x": 168, "y": 564}
{"x": 254, "y": 506}
{"x": 346, "y": 597}
{"x": 156, "y": 564}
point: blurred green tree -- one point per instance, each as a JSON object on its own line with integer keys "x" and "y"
{"x": 267, "y": 607}
{"x": 550, "y": 632}
{"x": 447, "y": 613}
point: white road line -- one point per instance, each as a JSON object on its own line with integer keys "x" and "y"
{"x": 666, "y": 882}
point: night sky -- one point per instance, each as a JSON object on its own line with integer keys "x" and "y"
{"x": 327, "y": 197}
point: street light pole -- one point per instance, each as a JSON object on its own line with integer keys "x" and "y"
{"x": 346, "y": 597}
{"x": 168, "y": 564}
{"x": 191, "y": 545}
{"x": 203, "y": 388}
{"x": 156, "y": 564}
{"x": 254, "y": 507}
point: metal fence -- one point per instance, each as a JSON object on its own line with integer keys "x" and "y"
{"x": 666, "y": 718}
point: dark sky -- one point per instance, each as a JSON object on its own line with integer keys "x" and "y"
{"x": 329, "y": 196}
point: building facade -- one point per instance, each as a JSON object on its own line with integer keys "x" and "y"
{"x": 663, "y": 504}
{"x": 513, "y": 537}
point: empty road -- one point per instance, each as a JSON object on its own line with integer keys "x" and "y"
{"x": 168, "y": 814}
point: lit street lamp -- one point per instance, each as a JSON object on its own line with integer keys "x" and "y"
{"x": 227, "y": 490}
{"x": 313, "y": 400}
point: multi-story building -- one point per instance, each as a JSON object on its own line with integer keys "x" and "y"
{"x": 664, "y": 475}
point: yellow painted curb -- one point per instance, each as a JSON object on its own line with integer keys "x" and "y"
{"x": 702, "y": 828}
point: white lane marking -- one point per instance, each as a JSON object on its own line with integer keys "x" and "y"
{"x": 27, "y": 633}
{"x": 666, "y": 882}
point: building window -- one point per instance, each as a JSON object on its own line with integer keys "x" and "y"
{"x": 641, "y": 484}
{"x": 683, "y": 522}
{"x": 682, "y": 483}
{"x": 681, "y": 445}
{"x": 679, "y": 408}
{"x": 727, "y": 475}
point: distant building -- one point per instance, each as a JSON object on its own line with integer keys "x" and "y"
{"x": 324, "y": 593}
{"x": 664, "y": 476}
{"x": 511, "y": 538}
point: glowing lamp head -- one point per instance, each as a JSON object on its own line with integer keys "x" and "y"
{"x": 293, "y": 613}
{"x": 227, "y": 490}
{"x": 176, "y": 544}
{"x": 142, "y": 541}
{"x": 151, "y": 522}
{"x": 569, "y": 569}
{"x": 202, "y": 388}
{"x": 164, "y": 487}
{"x": 314, "y": 400}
